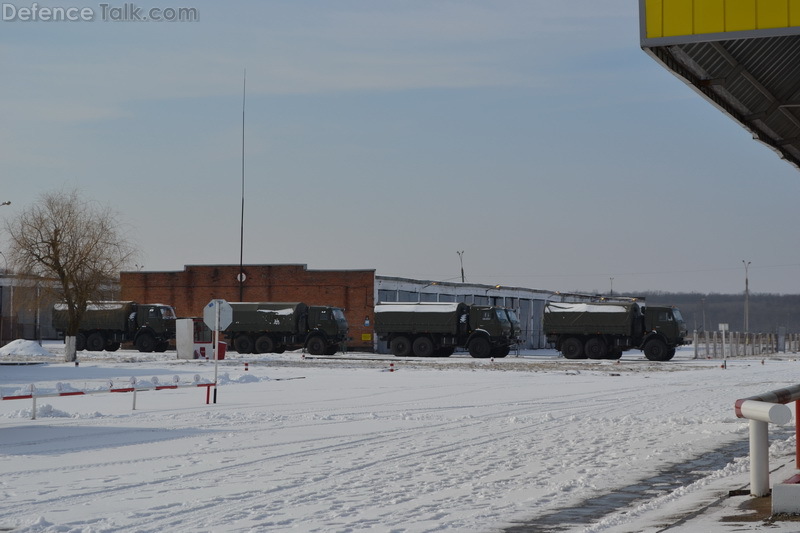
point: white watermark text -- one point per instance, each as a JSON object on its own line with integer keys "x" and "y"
{"x": 127, "y": 12}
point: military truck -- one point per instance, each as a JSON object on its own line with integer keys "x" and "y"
{"x": 106, "y": 325}
{"x": 605, "y": 330}
{"x": 274, "y": 327}
{"x": 438, "y": 329}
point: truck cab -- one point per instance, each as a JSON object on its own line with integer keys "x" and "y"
{"x": 667, "y": 322}
{"x": 153, "y": 325}
{"x": 493, "y": 320}
{"x": 330, "y": 320}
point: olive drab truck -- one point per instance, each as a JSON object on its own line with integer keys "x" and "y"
{"x": 438, "y": 329}
{"x": 274, "y": 327}
{"x": 106, "y": 325}
{"x": 605, "y": 330}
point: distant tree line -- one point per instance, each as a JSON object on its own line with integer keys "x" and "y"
{"x": 767, "y": 312}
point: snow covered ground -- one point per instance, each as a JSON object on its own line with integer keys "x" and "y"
{"x": 324, "y": 445}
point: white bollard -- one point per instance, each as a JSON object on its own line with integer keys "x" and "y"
{"x": 759, "y": 458}
{"x": 760, "y": 414}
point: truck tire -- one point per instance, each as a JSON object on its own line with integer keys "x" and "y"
{"x": 145, "y": 343}
{"x": 444, "y": 352}
{"x": 656, "y": 350}
{"x": 316, "y": 345}
{"x": 401, "y": 346}
{"x": 95, "y": 342}
{"x": 422, "y": 347}
{"x": 572, "y": 348}
{"x": 265, "y": 344}
{"x": 80, "y": 342}
{"x": 480, "y": 348}
{"x": 162, "y": 346}
{"x": 332, "y": 349}
{"x": 113, "y": 347}
{"x": 501, "y": 352}
{"x": 595, "y": 348}
{"x": 243, "y": 344}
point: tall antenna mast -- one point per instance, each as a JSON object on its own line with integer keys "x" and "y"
{"x": 241, "y": 276}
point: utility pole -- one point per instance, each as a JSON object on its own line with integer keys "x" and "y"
{"x": 746, "y": 297}
{"x": 241, "y": 276}
{"x": 703, "y": 304}
{"x": 461, "y": 259}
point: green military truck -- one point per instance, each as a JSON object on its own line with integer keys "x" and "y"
{"x": 274, "y": 327}
{"x": 106, "y": 325}
{"x": 605, "y": 330}
{"x": 438, "y": 329}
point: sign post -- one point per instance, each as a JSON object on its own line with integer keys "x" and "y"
{"x": 217, "y": 315}
{"x": 723, "y": 328}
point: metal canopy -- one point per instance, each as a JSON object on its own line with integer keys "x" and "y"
{"x": 753, "y": 76}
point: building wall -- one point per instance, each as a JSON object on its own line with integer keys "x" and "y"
{"x": 190, "y": 290}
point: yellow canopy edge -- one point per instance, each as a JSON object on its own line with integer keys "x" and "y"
{"x": 673, "y": 18}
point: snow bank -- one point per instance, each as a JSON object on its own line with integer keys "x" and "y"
{"x": 22, "y": 347}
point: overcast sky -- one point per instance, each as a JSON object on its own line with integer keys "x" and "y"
{"x": 535, "y": 136}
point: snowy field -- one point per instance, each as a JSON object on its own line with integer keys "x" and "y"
{"x": 332, "y": 445}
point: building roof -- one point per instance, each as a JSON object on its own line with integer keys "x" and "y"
{"x": 742, "y": 56}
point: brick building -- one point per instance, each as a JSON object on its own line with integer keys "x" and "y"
{"x": 190, "y": 290}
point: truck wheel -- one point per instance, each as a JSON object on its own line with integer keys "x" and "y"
{"x": 596, "y": 348}
{"x": 422, "y": 347}
{"x": 80, "y": 342}
{"x": 332, "y": 349}
{"x": 572, "y": 348}
{"x": 401, "y": 346}
{"x": 656, "y": 350}
{"x": 480, "y": 348}
{"x": 316, "y": 345}
{"x": 145, "y": 343}
{"x": 614, "y": 353}
{"x": 445, "y": 352}
{"x": 670, "y": 354}
{"x": 265, "y": 344}
{"x": 501, "y": 352}
{"x": 113, "y": 347}
{"x": 243, "y": 344}
{"x": 162, "y": 346}
{"x": 95, "y": 342}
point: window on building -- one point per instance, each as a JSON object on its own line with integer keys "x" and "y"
{"x": 387, "y": 296}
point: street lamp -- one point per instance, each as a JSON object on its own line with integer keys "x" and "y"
{"x": 461, "y": 260}
{"x": 746, "y": 297}
{"x": 486, "y": 293}
{"x": 419, "y": 291}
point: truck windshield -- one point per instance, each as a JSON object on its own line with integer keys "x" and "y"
{"x": 677, "y": 315}
{"x": 338, "y": 315}
{"x": 512, "y": 317}
{"x": 502, "y": 317}
{"x": 167, "y": 313}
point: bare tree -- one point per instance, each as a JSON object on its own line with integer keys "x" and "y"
{"x": 72, "y": 240}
